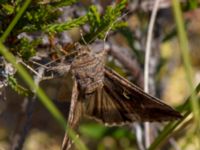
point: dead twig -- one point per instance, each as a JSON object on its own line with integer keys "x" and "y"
{"x": 24, "y": 118}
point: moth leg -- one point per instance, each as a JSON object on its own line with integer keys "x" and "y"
{"x": 74, "y": 116}
{"x": 61, "y": 69}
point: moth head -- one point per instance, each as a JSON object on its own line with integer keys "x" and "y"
{"x": 77, "y": 50}
{"x": 81, "y": 49}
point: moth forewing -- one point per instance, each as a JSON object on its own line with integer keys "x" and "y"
{"x": 74, "y": 116}
{"x": 140, "y": 104}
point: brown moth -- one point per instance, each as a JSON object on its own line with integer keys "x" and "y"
{"x": 102, "y": 94}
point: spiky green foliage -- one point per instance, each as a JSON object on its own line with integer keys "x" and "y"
{"x": 26, "y": 48}
{"x": 62, "y": 3}
{"x": 99, "y": 25}
{"x": 36, "y": 18}
{"x": 7, "y": 8}
{"x": 55, "y": 28}
{"x": 12, "y": 81}
{"x": 94, "y": 18}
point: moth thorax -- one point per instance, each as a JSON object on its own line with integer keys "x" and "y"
{"x": 89, "y": 72}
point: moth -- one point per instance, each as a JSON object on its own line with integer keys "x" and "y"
{"x": 103, "y": 95}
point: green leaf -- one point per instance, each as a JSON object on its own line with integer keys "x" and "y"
{"x": 8, "y": 8}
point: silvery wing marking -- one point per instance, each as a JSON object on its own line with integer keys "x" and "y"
{"x": 109, "y": 98}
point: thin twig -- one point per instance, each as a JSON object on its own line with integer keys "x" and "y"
{"x": 146, "y": 67}
{"x": 24, "y": 123}
{"x": 138, "y": 128}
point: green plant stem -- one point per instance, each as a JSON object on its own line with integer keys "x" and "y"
{"x": 170, "y": 127}
{"x": 184, "y": 45}
{"x": 42, "y": 96}
{"x": 14, "y": 21}
{"x": 166, "y": 132}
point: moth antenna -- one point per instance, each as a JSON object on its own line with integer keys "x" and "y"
{"x": 81, "y": 32}
{"x": 103, "y": 52}
{"x": 30, "y": 68}
{"x": 118, "y": 19}
{"x": 107, "y": 32}
{"x": 110, "y": 27}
